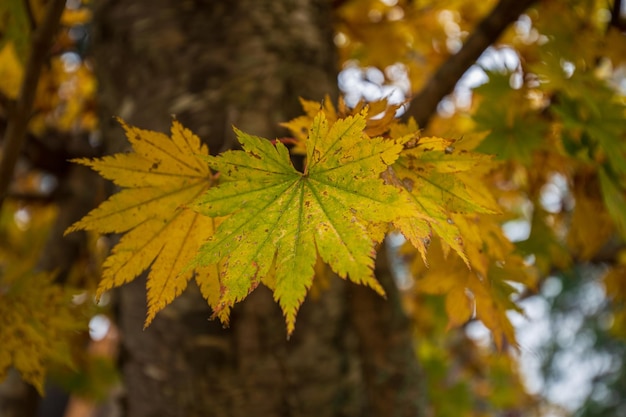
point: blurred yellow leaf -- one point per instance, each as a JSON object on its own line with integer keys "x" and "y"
{"x": 466, "y": 292}
{"x": 11, "y": 71}
{"x": 586, "y": 237}
{"x": 459, "y": 306}
{"x": 37, "y": 322}
{"x": 72, "y": 17}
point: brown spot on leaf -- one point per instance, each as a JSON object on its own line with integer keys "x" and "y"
{"x": 408, "y": 183}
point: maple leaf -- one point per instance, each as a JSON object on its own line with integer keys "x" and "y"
{"x": 284, "y": 218}
{"x": 515, "y": 132}
{"x": 441, "y": 180}
{"x": 158, "y": 180}
{"x": 381, "y": 116}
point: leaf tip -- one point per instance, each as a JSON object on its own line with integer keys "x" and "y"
{"x": 290, "y": 320}
{"x": 73, "y": 228}
{"x": 149, "y": 318}
{"x": 120, "y": 121}
{"x": 291, "y": 326}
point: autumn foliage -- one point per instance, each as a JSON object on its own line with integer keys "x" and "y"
{"x": 276, "y": 221}
{"x": 348, "y": 177}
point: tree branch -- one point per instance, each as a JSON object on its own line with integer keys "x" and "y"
{"x": 616, "y": 16}
{"x": 52, "y": 150}
{"x": 448, "y": 74}
{"x": 16, "y": 130}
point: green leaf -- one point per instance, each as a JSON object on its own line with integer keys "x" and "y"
{"x": 515, "y": 139}
{"x": 543, "y": 244}
{"x": 284, "y": 218}
{"x": 514, "y": 130}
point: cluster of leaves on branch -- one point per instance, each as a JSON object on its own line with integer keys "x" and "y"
{"x": 274, "y": 221}
{"x": 555, "y": 123}
{"x": 37, "y": 315}
{"x": 42, "y": 324}
{"x": 419, "y": 34}
{"x": 65, "y": 94}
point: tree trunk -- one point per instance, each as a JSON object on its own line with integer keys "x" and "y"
{"x": 215, "y": 64}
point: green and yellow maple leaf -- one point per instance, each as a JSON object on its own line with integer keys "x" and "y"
{"x": 284, "y": 218}
{"x": 158, "y": 180}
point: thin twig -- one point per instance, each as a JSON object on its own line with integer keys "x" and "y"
{"x": 443, "y": 81}
{"x": 16, "y": 130}
{"x": 616, "y": 16}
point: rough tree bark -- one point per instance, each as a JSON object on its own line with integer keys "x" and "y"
{"x": 214, "y": 64}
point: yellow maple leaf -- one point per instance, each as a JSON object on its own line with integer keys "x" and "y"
{"x": 158, "y": 179}
{"x": 441, "y": 181}
{"x": 380, "y": 118}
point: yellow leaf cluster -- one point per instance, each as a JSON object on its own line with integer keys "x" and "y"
{"x": 65, "y": 98}
{"x": 482, "y": 292}
{"x": 418, "y": 34}
{"x": 37, "y": 321}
